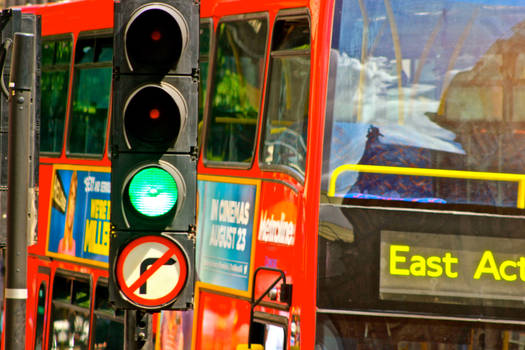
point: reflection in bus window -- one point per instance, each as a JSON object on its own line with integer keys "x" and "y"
{"x": 56, "y": 58}
{"x": 40, "y": 314}
{"x": 204, "y": 57}
{"x": 336, "y": 332}
{"x": 108, "y": 323}
{"x": 272, "y": 336}
{"x": 284, "y": 138}
{"x": 69, "y": 327}
{"x": 236, "y": 90}
{"x": 90, "y": 102}
{"x": 427, "y": 85}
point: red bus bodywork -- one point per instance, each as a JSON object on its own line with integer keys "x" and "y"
{"x": 221, "y": 315}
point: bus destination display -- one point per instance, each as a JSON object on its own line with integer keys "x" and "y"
{"x": 443, "y": 268}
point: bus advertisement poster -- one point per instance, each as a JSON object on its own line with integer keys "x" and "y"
{"x": 225, "y": 227}
{"x": 79, "y": 222}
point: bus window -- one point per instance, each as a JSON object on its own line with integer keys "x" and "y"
{"x": 90, "y": 101}
{"x": 272, "y": 336}
{"x": 284, "y": 137}
{"x": 204, "y": 58}
{"x": 204, "y": 47}
{"x": 108, "y": 323}
{"x": 56, "y": 59}
{"x": 40, "y": 314}
{"x": 337, "y": 332}
{"x": 69, "y": 327}
{"x": 410, "y": 93}
{"x": 236, "y": 90}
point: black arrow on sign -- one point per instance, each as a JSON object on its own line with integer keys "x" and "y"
{"x": 144, "y": 266}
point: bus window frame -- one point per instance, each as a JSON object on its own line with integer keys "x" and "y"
{"x": 70, "y": 70}
{"x": 284, "y": 15}
{"x": 91, "y": 34}
{"x": 211, "y": 85}
{"x": 73, "y": 276}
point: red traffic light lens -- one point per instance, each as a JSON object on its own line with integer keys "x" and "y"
{"x": 156, "y": 35}
{"x": 154, "y": 113}
{"x": 155, "y": 38}
{"x": 153, "y": 116}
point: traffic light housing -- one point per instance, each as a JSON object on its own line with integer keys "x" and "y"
{"x": 154, "y": 129}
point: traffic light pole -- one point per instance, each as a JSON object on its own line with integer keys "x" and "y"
{"x": 18, "y": 184}
{"x": 137, "y": 330}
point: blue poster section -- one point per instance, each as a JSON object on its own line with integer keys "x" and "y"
{"x": 224, "y": 233}
{"x": 79, "y": 224}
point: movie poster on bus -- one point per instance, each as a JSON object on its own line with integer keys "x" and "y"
{"x": 79, "y": 219}
{"x": 225, "y": 233}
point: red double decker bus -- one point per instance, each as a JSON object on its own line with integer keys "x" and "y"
{"x": 370, "y": 153}
{"x": 67, "y": 267}
{"x": 360, "y": 178}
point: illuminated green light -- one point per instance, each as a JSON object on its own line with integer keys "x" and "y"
{"x": 153, "y": 192}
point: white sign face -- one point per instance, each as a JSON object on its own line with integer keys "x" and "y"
{"x": 151, "y": 271}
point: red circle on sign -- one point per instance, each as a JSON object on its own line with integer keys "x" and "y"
{"x": 129, "y": 290}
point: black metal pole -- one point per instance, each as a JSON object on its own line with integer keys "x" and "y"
{"x": 138, "y": 333}
{"x": 18, "y": 183}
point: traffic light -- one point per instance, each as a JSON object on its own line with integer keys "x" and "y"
{"x": 154, "y": 140}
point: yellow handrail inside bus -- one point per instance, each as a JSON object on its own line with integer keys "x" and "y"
{"x": 456, "y": 174}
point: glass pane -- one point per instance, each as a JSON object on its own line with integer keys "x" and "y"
{"x": 338, "y": 332}
{"x": 291, "y": 35}
{"x": 236, "y": 90}
{"x": 204, "y": 45}
{"x": 287, "y": 113}
{"x": 40, "y": 314}
{"x": 204, "y": 38}
{"x": 48, "y": 53}
{"x": 69, "y": 329}
{"x": 62, "y": 289}
{"x": 56, "y": 57}
{"x": 64, "y": 48}
{"x": 81, "y": 295}
{"x": 91, "y": 50}
{"x": 285, "y": 133}
{"x": 90, "y": 110}
{"x": 85, "y": 51}
{"x": 102, "y": 302}
{"x": 426, "y": 85}
{"x": 109, "y": 333}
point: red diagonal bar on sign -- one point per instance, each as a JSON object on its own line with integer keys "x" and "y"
{"x": 151, "y": 270}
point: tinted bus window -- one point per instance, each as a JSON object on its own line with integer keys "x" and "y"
{"x": 236, "y": 90}
{"x": 204, "y": 58}
{"x": 56, "y": 60}
{"x": 108, "y": 323}
{"x": 91, "y": 90}
{"x": 69, "y": 327}
{"x": 284, "y": 137}
{"x": 338, "y": 332}
{"x": 40, "y": 314}
{"x": 204, "y": 47}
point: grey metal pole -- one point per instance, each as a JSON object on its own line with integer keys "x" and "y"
{"x": 18, "y": 184}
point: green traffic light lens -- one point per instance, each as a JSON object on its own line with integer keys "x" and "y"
{"x": 153, "y": 192}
